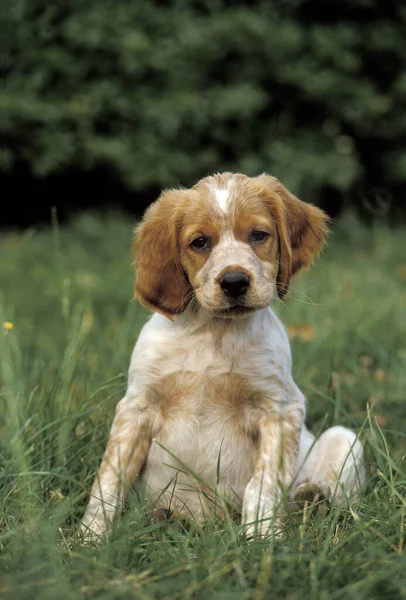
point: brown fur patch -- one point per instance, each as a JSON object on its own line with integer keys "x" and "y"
{"x": 167, "y": 265}
{"x": 302, "y": 230}
{"x": 161, "y": 283}
{"x": 207, "y": 394}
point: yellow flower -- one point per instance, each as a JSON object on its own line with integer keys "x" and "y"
{"x": 8, "y": 326}
{"x": 56, "y": 495}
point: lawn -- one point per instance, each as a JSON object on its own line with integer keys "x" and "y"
{"x": 70, "y": 325}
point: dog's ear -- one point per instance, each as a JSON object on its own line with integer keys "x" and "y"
{"x": 302, "y": 230}
{"x": 161, "y": 284}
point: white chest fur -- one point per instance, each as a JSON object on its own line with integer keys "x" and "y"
{"x": 255, "y": 346}
{"x": 204, "y": 383}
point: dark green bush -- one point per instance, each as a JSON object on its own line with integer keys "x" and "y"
{"x": 160, "y": 94}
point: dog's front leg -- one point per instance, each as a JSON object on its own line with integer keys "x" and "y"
{"x": 125, "y": 455}
{"x": 277, "y": 453}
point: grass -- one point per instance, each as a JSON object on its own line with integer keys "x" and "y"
{"x": 63, "y": 368}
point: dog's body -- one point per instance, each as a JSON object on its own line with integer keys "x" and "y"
{"x": 211, "y": 408}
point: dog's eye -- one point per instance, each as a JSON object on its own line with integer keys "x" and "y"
{"x": 258, "y": 236}
{"x": 200, "y": 243}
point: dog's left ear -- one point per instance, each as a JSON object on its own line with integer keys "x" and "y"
{"x": 161, "y": 283}
{"x": 302, "y": 230}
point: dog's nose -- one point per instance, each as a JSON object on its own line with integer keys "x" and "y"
{"x": 234, "y": 283}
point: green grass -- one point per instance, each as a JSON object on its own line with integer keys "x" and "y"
{"x": 63, "y": 368}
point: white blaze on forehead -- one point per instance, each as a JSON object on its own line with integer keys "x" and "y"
{"x": 222, "y": 195}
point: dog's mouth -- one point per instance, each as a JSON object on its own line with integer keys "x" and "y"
{"x": 230, "y": 307}
{"x": 236, "y": 310}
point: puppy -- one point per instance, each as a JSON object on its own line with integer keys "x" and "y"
{"x": 211, "y": 410}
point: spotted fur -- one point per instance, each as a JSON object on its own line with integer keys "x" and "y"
{"x": 211, "y": 410}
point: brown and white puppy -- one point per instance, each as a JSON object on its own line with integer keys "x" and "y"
{"x": 211, "y": 408}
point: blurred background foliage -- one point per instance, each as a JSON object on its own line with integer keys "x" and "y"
{"x": 107, "y": 102}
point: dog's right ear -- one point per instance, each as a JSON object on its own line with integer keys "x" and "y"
{"x": 161, "y": 284}
{"x": 302, "y": 230}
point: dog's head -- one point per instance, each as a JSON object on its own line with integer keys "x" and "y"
{"x": 230, "y": 242}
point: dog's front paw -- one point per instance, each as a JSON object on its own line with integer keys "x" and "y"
{"x": 94, "y": 527}
{"x": 262, "y": 521}
{"x": 272, "y": 528}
